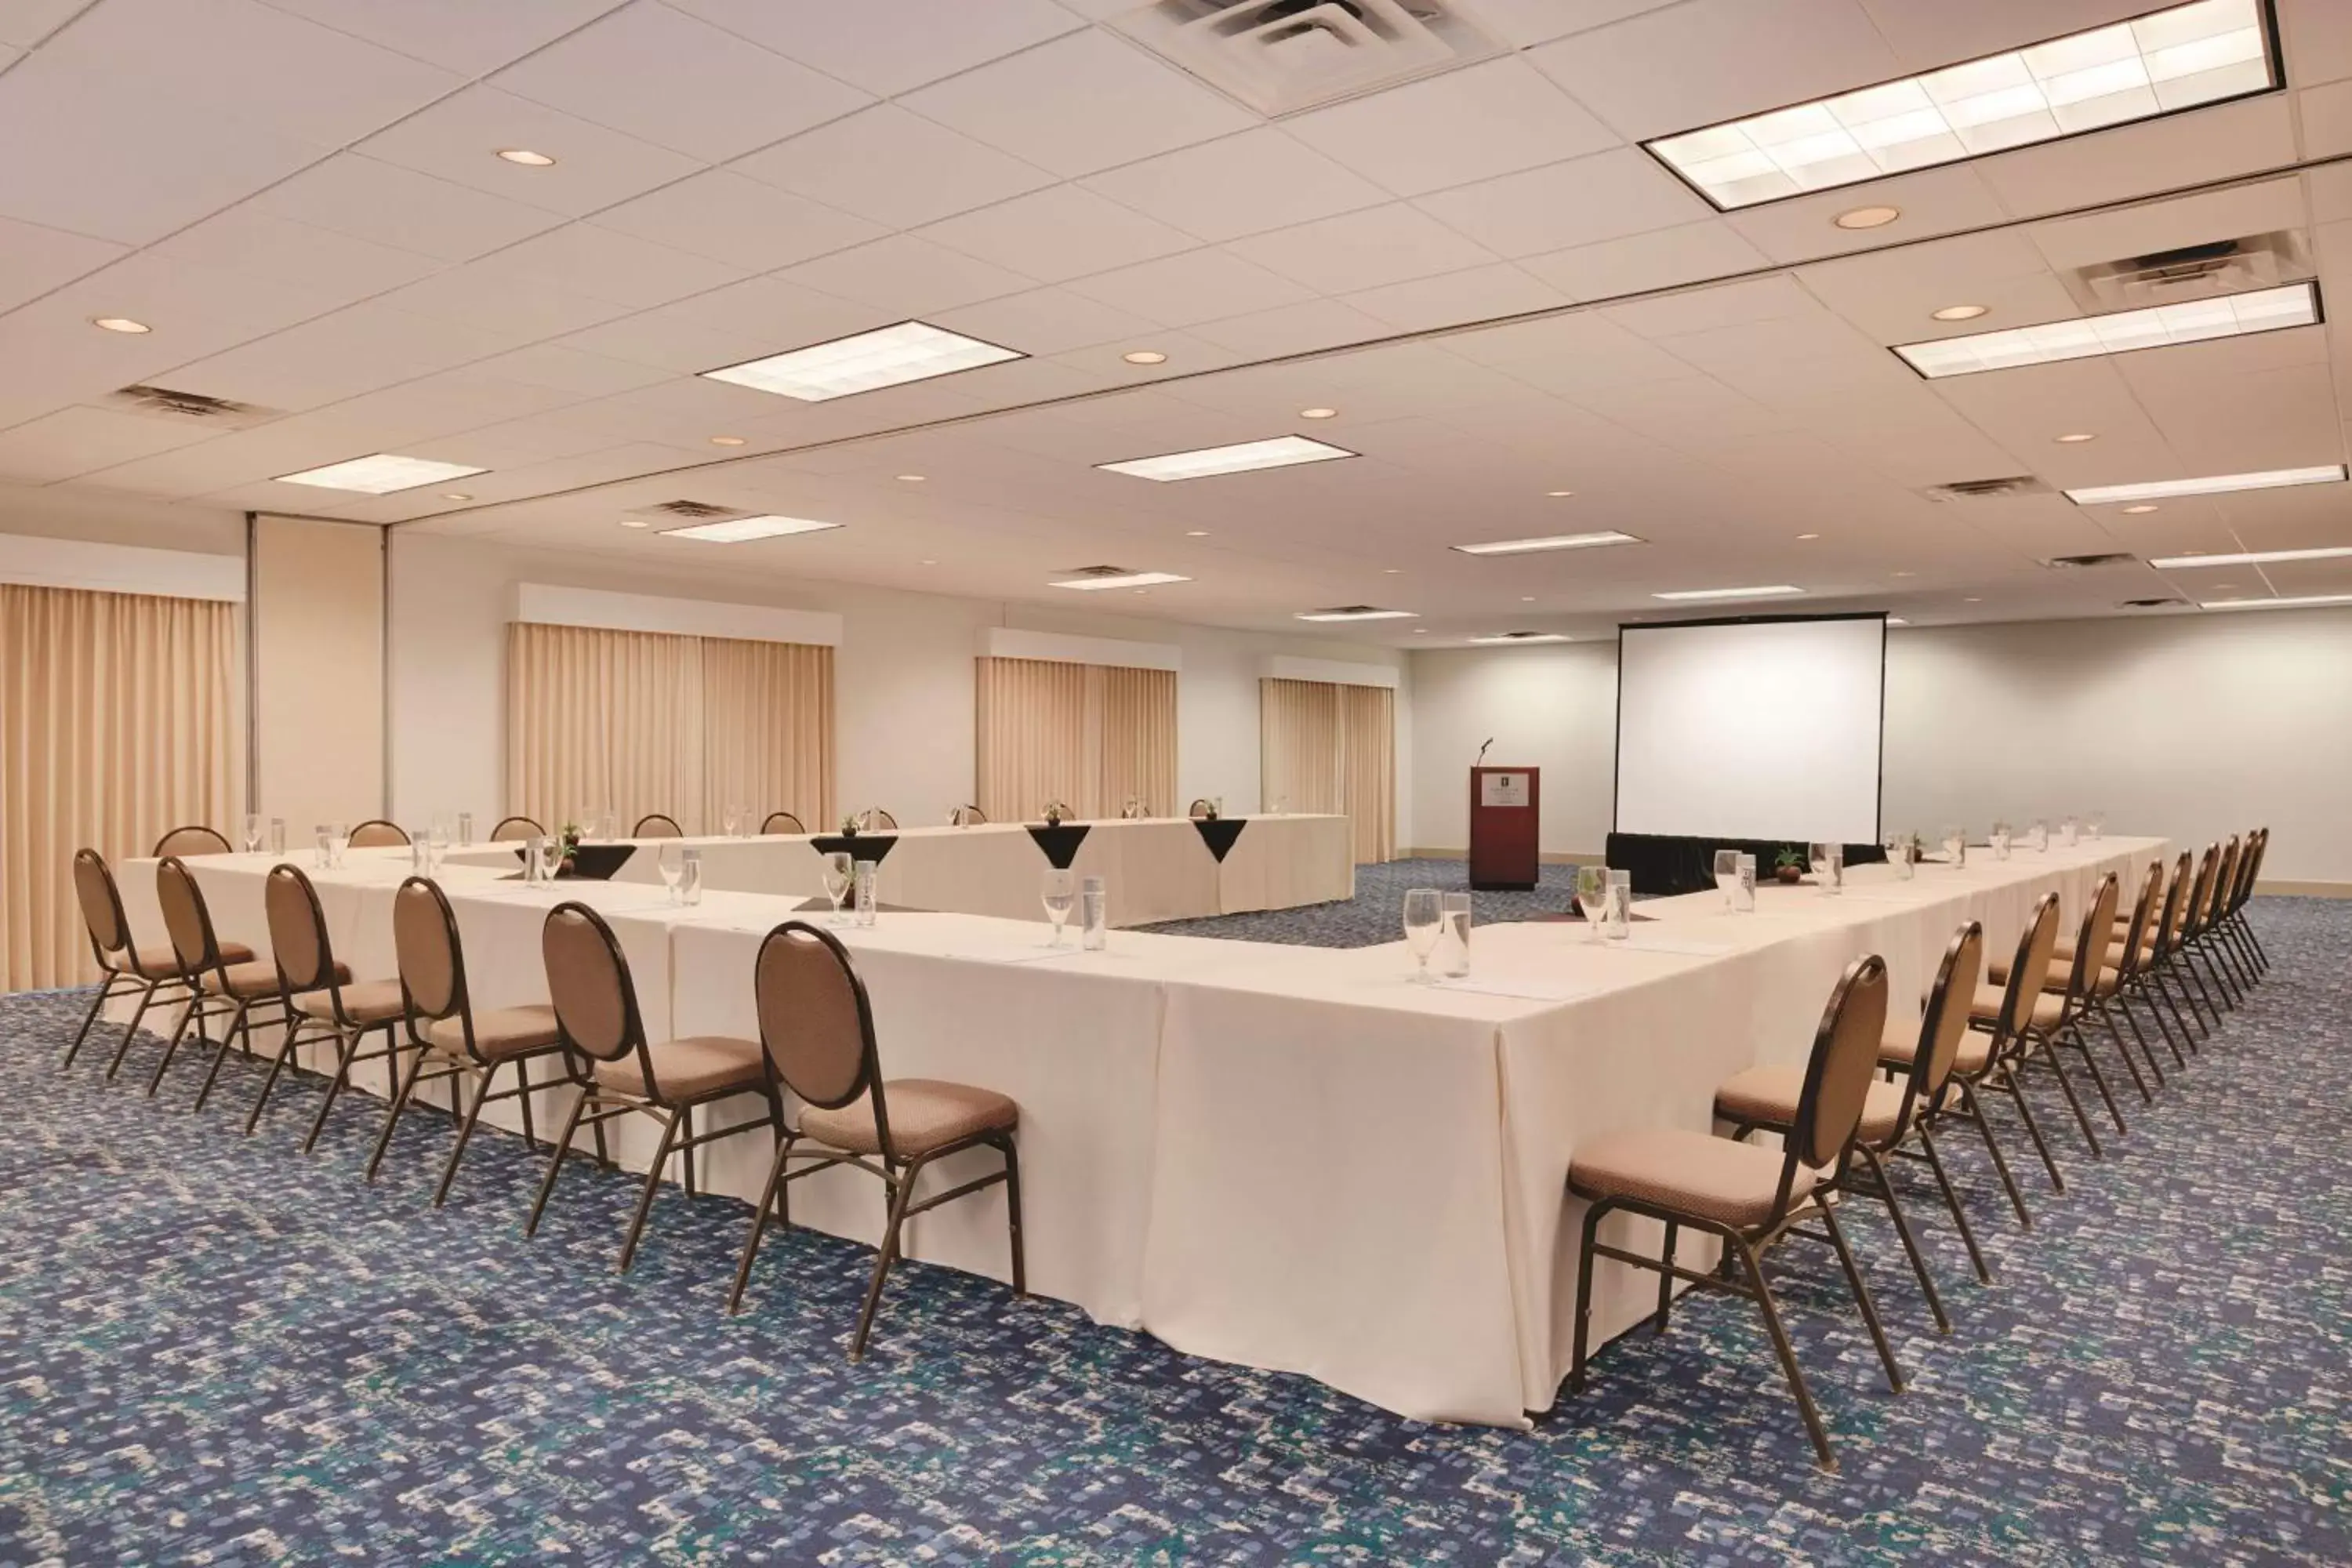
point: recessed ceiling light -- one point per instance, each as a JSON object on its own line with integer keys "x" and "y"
{"x": 2139, "y": 511}
{"x": 1356, "y": 612}
{"x": 1896, "y": 621}
{"x": 1319, "y": 414}
{"x": 456, "y": 495}
{"x": 1120, "y": 579}
{"x": 2217, "y": 484}
{"x": 1868, "y": 218}
{"x": 930, "y": 562}
{"x": 1972, "y": 601}
{"x": 737, "y": 529}
{"x": 2075, "y": 440}
{"x": 634, "y": 523}
{"x": 1805, "y": 536}
{"x": 2304, "y": 602}
{"x": 1526, "y": 598}
{"x": 1771, "y": 591}
{"x": 910, "y": 479}
{"x": 726, "y": 440}
{"x": 1241, "y": 457}
{"x": 120, "y": 324}
{"x": 864, "y": 362}
{"x": 1523, "y": 637}
{"x": 1196, "y": 533}
{"x": 381, "y": 474}
{"x": 1557, "y": 495}
{"x": 525, "y": 157}
{"x": 1551, "y": 541}
{"x": 2118, "y": 332}
{"x": 2249, "y": 558}
{"x": 1906, "y": 574}
{"x": 1391, "y": 571}
{"x": 2154, "y": 65}
{"x": 1961, "y": 313}
{"x": 2224, "y": 586}
{"x": 1145, "y": 356}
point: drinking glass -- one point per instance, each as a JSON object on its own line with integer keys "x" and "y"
{"x": 437, "y": 848}
{"x": 1829, "y": 867}
{"x": 671, "y": 864}
{"x": 1955, "y": 844}
{"x": 733, "y": 820}
{"x": 532, "y": 865}
{"x": 465, "y": 830}
{"x": 342, "y": 832}
{"x": 1817, "y": 859}
{"x": 1453, "y": 921}
{"x": 1132, "y": 810}
{"x": 869, "y": 878}
{"x": 689, "y": 881}
{"x": 1727, "y": 873}
{"x": 325, "y": 837}
{"x": 551, "y": 857}
{"x": 2069, "y": 831}
{"x": 2041, "y": 836}
{"x": 840, "y": 875}
{"x": 2000, "y": 840}
{"x": 253, "y": 830}
{"x": 1898, "y": 855}
{"x": 1094, "y": 915}
{"x": 277, "y": 836}
{"x": 1617, "y": 912}
{"x": 2097, "y": 825}
{"x": 1424, "y": 912}
{"x": 1592, "y": 893}
{"x": 1743, "y": 897}
{"x": 1061, "y": 891}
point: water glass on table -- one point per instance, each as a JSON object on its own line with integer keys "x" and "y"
{"x": 1094, "y": 915}
{"x": 2069, "y": 832}
{"x": 840, "y": 877}
{"x": 671, "y": 863}
{"x": 465, "y": 830}
{"x": 1453, "y": 927}
{"x": 690, "y": 878}
{"x": 1999, "y": 839}
{"x": 869, "y": 892}
{"x": 277, "y": 836}
{"x": 1743, "y": 893}
{"x": 1059, "y": 894}
{"x": 324, "y": 835}
{"x": 551, "y": 857}
{"x": 1898, "y": 855}
{"x": 1956, "y": 845}
{"x": 1617, "y": 911}
{"x": 253, "y": 830}
{"x": 1829, "y": 866}
{"x": 1424, "y": 915}
{"x": 1592, "y": 897}
{"x": 1727, "y": 873}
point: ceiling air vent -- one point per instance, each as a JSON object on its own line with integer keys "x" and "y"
{"x": 1282, "y": 56}
{"x": 689, "y": 512}
{"x": 165, "y": 403}
{"x": 2111, "y": 558}
{"x": 1100, "y": 571}
{"x": 2153, "y": 605}
{"x": 2191, "y": 272}
{"x": 1987, "y": 489}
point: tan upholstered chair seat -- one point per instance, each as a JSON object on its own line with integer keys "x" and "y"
{"x": 1768, "y": 1096}
{"x": 925, "y": 1114}
{"x": 2048, "y": 1008}
{"x": 1690, "y": 1172}
{"x": 695, "y": 1068}
{"x": 1969, "y": 1058}
{"x": 371, "y": 1001}
{"x": 2065, "y": 952}
{"x": 252, "y": 981}
{"x": 498, "y": 1032}
{"x": 2061, "y": 976}
{"x": 162, "y": 961}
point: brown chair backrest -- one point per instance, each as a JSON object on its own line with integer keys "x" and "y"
{"x": 513, "y": 829}
{"x": 654, "y": 824}
{"x": 101, "y": 908}
{"x": 967, "y": 816}
{"x": 378, "y": 834}
{"x": 426, "y": 946}
{"x": 2151, "y": 892}
{"x": 2094, "y": 942}
{"x": 588, "y": 979}
{"x": 298, "y": 930}
{"x": 876, "y": 817}
{"x": 2027, "y": 976}
{"x": 1945, "y": 1021}
{"x": 782, "y": 822}
{"x": 2201, "y": 892}
{"x": 1200, "y": 808}
{"x": 192, "y": 840}
{"x": 2176, "y": 904}
{"x": 186, "y": 917}
{"x": 2250, "y": 865}
{"x": 815, "y": 1024}
{"x": 2224, "y": 879}
{"x": 1838, "y": 1074}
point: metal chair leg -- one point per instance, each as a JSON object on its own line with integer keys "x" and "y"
{"x": 401, "y": 1094}
{"x": 1952, "y": 1202}
{"x": 888, "y": 1255}
{"x": 228, "y": 1038}
{"x": 1861, "y": 1299}
{"x": 465, "y": 1130}
{"x": 131, "y": 1031}
{"x": 1976, "y": 1107}
{"x": 1584, "y": 1261}
{"x": 1788, "y": 1354}
{"x": 2074, "y": 1035}
{"x": 347, "y": 1046}
{"x": 1666, "y": 1279}
{"x": 1013, "y": 1215}
{"x": 653, "y": 1185}
{"x": 1910, "y": 1244}
{"x": 555, "y": 1164}
{"x": 2049, "y": 1057}
{"x": 105, "y": 994}
{"x": 767, "y": 1195}
{"x": 195, "y": 1015}
{"x": 285, "y": 1051}
{"x": 2009, "y": 1080}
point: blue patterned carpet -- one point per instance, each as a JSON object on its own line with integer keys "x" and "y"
{"x": 1376, "y": 913}
{"x": 215, "y": 1351}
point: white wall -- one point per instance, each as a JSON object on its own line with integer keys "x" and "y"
{"x": 2188, "y": 727}
{"x": 903, "y": 678}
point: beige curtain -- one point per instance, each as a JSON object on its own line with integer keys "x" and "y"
{"x": 1089, "y": 735}
{"x": 119, "y": 722}
{"x": 767, "y": 712}
{"x": 1328, "y": 748}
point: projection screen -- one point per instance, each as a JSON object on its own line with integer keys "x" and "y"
{"x": 1761, "y": 729}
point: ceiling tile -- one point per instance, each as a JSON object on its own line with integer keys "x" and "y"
{"x": 1059, "y": 233}
{"x": 1081, "y": 103}
{"x": 501, "y": 299}
{"x": 76, "y": 440}
{"x": 402, "y": 208}
{"x": 890, "y": 47}
{"x": 1198, "y": 286}
{"x": 248, "y": 239}
{"x": 463, "y": 35}
{"x": 1294, "y": 329}
{"x": 26, "y": 22}
{"x": 34, "y": 260}
{"x": 2327, "y": 119}
{"x": 1774, "y": 299}
{"x": 720, "y": 214}
{"x": 1667, "y": 260}
{"x": 1480, "y": 293}
{"x": 1931, "y": 33}
{"x": 460, "y": 137}
{"x": 1528, "y": 22}
{"x": 906, "y": 276}
{"x": 1241, "y": 185}
{"x": 2319, "y": 38}
{"x": 353, "y": 351}
{"x": 1891, "y": 295}
{"x": 1586, "y": 200}
{"x": 2129, "y": 160}
{"x": 587, "y": 260}
{"x": 892, "y": 167}
{"x": 568, "y": 370}
{"x": 1932, "y": 201}
{"x": 1363, "y": 249}
{"x": 631, "y": 70}
{"x": 1047, "y": 321}
{"x": 1470, "y": 124}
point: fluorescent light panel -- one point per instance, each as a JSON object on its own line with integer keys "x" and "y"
{"x": 1553, "y": 542}
{"x": 2121, "y": 333}
{"x": 2307, "y": 601}
{"x": 1356, "y": 614}
{"x": 737, "y": 530}
{"x": 2169, "y": 60}
{"x": 1124, "y": 580}
{"x": 1507, "y": 637}
{"x": 887, "y": 356}
{"x": 381, "y": 474}
{"x": 1280, "y": 452}
{"x": 2217, "y": 484}
{"x": 2248, "y": 558}
{"x": 1773, "y": 591}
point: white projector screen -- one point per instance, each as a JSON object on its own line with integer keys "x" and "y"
{"x": 1767, "y": 729}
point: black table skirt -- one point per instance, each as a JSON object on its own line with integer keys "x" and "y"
{"x": 1663, "y": 864}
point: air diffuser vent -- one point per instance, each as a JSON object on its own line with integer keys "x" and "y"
{"x": 165, "y": 403}
{"x": 2191, "y": 272}
{"x": 1282, "y": 56}
{"x": 2111, "y": 558}
{"x": 692, "y": 511}
{"x": 1100, "y": 571}
{"x": 2152, "y": 605}
{"x": 1987, "y": 489}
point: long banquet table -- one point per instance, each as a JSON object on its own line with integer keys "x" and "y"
{"x": 1288, "y": 1157}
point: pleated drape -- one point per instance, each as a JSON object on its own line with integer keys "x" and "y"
{"x": 1330, "y": 748}
{"x": 1367, "y": 762}
{"x": 120, "y": 720}
{"x": 1090, "y": 736}
{"x": 767, "y": 713}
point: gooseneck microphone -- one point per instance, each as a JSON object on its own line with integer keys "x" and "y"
{"x": 1481, "y": 751}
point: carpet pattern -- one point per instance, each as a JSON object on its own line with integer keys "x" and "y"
{"x": 1376, "y": 914}
{"x": 213, "y": 1349}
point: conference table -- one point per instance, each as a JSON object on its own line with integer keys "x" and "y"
{"x": 1153, "y": 869}
{"x": 1293, "y": 1158}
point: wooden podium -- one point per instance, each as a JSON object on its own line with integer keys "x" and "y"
{"x": 1504, "y": 803}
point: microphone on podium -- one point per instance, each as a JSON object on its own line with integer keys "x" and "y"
{"x": 1481, "y": 751}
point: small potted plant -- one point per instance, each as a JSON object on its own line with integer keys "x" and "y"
{"x": 849, "y": 825}
{"x": 1054, "y": 811}
{"x": 1788, "y": 866}
{"x": 569, "y": 836}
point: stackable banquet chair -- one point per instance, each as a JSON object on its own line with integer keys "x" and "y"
{"x": 1753, "y": 1198}
{"x": 657, "y": 825}
{"x": 378, "y": 834}
{"x": 227, "y": 987}
{"x": 1200, "y": 808}
{"x": 193, "y": 840}
{"x": 1765, "y": 1100}
{"x": 817, "y": 1042}
{"x": 453, "y": 1041}
{"x": 874, "y": 817}
{"x": 2205, "y": 942}
{"x": 2050, "y": 1021}
{"x": 323, "y": 1000}
{"x": 622, "y": 1073}
{"x": 2182, "y": 965}
{"x": 2162, "y": 982}
{"x": 967, "y": 816}
{"x": 2240, "y": 928}
{"x": 514, "y": 829}
{"x": 782, "y": 822}
{"x": 152, "y": 971}
{"x": 2125, "y": 981}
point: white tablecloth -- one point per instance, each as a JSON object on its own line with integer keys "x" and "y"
{"x": 1288, "y": 1157}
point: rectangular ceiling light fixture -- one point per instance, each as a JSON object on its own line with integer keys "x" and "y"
{"x": 381, "y": 474}
{"x": 2121, "y": 333}
{"x": 1773, "y": 591}
{"x": 2182, "y": 57}
{"x": 1357, "y": 612}
{"x": 2218, "y": 484}
{"x": 887, "y": 356}
{"x": 1502, "y": 637}
{"x": 2249, "y": 558}
{"x": 737, "y": 530}
{"x": 1280, "y": 452}
{"x": 2307, "y": 602}
{"x": 1120, "y": 579}
{"x": 1555, "y": 541}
